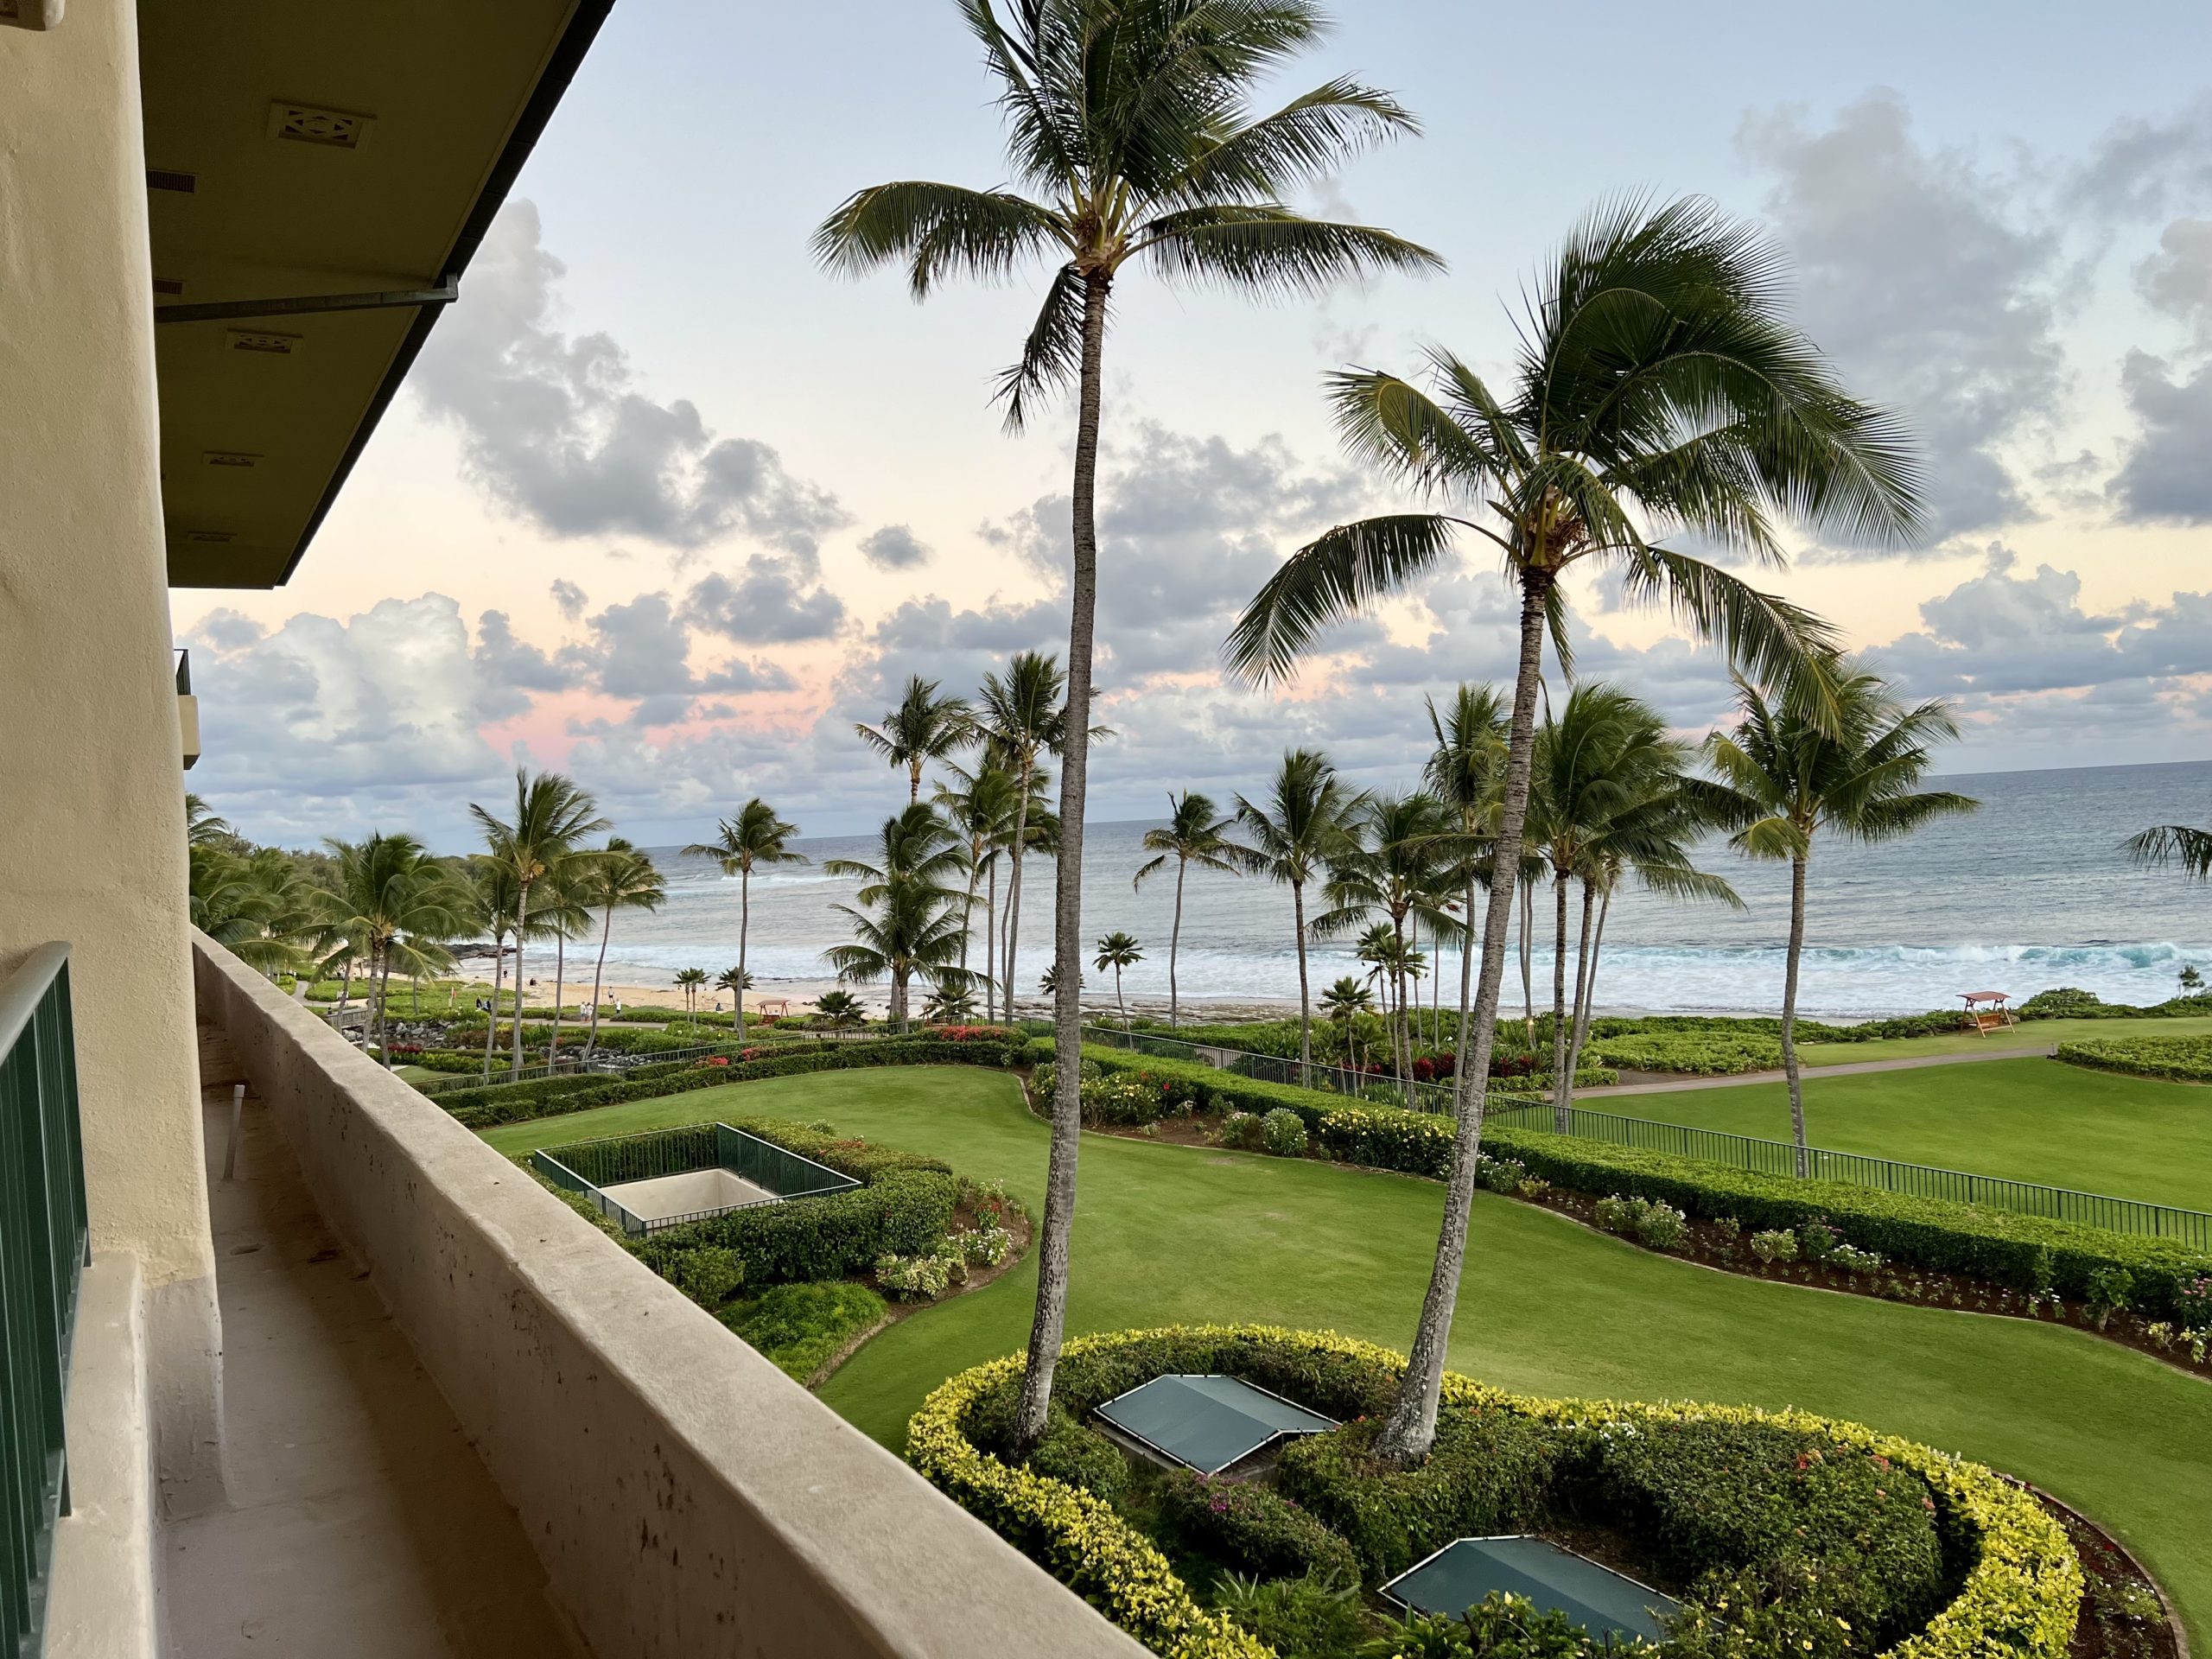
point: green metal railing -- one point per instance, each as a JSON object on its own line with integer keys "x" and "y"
{"x": 42, "y": 1255}
{"x": 587, "y": 1168}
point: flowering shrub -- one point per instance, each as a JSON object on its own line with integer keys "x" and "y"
{"x": 1817, "y": 1240}
{"x": 1283, "y": 1133}
{"x": 971, "y": 1033}
{"x": 916, "y": 1278}
{"x": 1500, "y": 1174}
{"x": 986, "y": 1247}
{"x": 1245, "y": 1129}
{"x": 2193, "y": 1301}
{"x": 2013, "y": 1583}
{"x": 1254, "y": 1529}
{"x": 1776, "y": 1244}
{"x": 1854, "y": 1260}
{"x": 1654, "y": 1222}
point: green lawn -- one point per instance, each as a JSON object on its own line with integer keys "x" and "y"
{"x": 1166, "y": 1233}
{"x": 2032, "y": 1120}
{"x": 2036, "y": 1033}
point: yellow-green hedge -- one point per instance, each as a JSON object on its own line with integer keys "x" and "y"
{"x": 2019, "y": 1599}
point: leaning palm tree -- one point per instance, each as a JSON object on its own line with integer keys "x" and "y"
{"x": 622, "y": 878}
{"x": 551, "y": 814}
{"x": 1394, "y": 861}
{"x": 910, "y": 920}
{"x": 1118, "y": 951}
{"x": 203, "y": 827}
{"x": 1129, "y": 119}
{"x": 755, "y": 836}
{"x": 1024, "y": 716}
{"x": 1290, "y": 836}
{"x": 925, "y": 727}
{"x": 1194, "y": 834}
{"x": 491, "y": 890}
{"x": 1660, "y": 393}
{"x": 1785, "y": 775}
{"x": 562, "y": 913}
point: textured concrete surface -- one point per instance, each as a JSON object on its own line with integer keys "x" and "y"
{"x": 102, "y": 1603}
{"x": 360, "y": 1520}
{"x": 689, "y": 1194}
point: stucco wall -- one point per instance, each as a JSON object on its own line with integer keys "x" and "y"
{"x": 687, "y": 1497}
{"x": 92, "y": 822}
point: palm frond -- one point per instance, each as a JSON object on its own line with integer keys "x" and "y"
{"x": 2174, "y": 844}
{"x": 1337, "y": 575}
{"x": 1308, "y": 139}
{"x": 1051, "y": 356}
{"x": 1267, "y": 248}
{"x": 938, "y": 229}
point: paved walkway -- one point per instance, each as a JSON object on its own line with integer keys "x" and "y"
{"x": 360, "y": 1522}
{"x": 1855, "y": 1069}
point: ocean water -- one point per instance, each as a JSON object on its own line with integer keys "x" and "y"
{"x": 2029, "y": 893}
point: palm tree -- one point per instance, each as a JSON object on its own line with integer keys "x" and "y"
{"x": 1784, "y": 775}
{"x": 1129, "y": 117}
{"x": 1466, "y": 773}
{"x": 256, "y": 906}
{"x": 2174, "y": 844}
{"x": 737, "y": 982}
{"x": 841, "y": 1010}
{"x": 913, "y": 922}
{"x": 622, "y": 878}
{"x": 491, "y": 908}
{"x": 982, "y": 813}
{"x": 1343, "y": 1002}
{"x": 1024, "y": 716}
{"x": 1659, "y": 392}
{"x": 1291, "y": 838}
{"x": 1118, "y": 951}
{"x": 202, "y": 828}
{"x": 925, "y": 727}
{"x": 561, "y": 914}
{"x": 950, "y": 1005}
{"x": 755, "y": 836}
{"x": 395, "y": 905}
{"x": 1049, "y": 981}
{"x": 1394, "y": 858}
{"x": 551, "y": 814}
{"x": 688, "y": 981}
{"x": 1192, "y": 834}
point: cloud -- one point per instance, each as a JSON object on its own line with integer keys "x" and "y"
{"x": 775, "y": 599}
{"x": 2165, "y": 476}
{"x": 1917, "y": 281}
{"x": 570, "y": 598}
{"x": 2143, "y": 166}
{"x": 2177, "y": 280}
{"x": 554, "y": 427}
{"x": 640, "y": 651}
{"x": 229, "y": 630}
{"x": 894, "y": 548}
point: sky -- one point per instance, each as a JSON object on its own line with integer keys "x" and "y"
{"x": 665, "y": 506}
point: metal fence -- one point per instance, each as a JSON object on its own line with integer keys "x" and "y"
{"x": 1264, "y": 1068}
{"x": 587, "y": 1168}
{"x": 42, "y": 1257}
{"x": 600, "y": 1068}
{"x": 2189, "y": 1227}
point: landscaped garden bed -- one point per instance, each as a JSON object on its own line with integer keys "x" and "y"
{"x": 2177, "y": 1059}
{"x": 1780, "y": 1532}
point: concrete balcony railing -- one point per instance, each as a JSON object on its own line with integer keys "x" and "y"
{"x": 683, "y": 1497}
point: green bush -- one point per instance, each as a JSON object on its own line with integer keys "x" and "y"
{"x": 1697, "y": 1053}
{"x": 1653, "y": 1222}
{"x": 709, "y": 1274}
{"x": 903, "y": 1212}
{"x": 2185, "y": 1059}
{"x": 801, "y": 1328}
{"x": 1245, "y": 1129}
{"x": 1250, "y": 1529}
{"x": 1298, "y": 1618}
{"x": 1080, "y": 1456}
{"x": 1488, "y": 1473}
{"x": 1282, "y": 1132}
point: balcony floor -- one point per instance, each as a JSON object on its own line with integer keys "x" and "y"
{"x": 360, "y": 1521}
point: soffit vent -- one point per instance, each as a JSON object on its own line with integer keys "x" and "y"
{"x": 260, "y": 342}
{"x": 305, "y": 123}
{"x": 168, "y": 285}
{"x": 211, "y": 537}
{"x": 158, "y": 178}
{"x": 237, "y": 460}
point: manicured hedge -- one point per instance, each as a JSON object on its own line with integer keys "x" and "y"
{"x": 2183, "y": 1060}
{"x": 2027, "y": 1253}
{"x": 2013, "y": 1582}
{"x": 1696, "y": 1053}
{"x": 902, "y": 1212}
{"x": 519, "y": 1102}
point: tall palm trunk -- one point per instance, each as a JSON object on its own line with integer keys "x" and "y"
{"x": 1175, "y": 944}
{"x": 1402, "y": 1040}
{"x": 522, "y": 921}
{"x": 1410, "y": 1429}
{"x": 744, "y": 928}
{"x": 598, "y": 974}
{"x": 968, "y": 911}
{"x": 990, "y": 945}
{"x": 1578, "y": 1019}
{"x": 1122, "y": 1006}
{"x": 560, "y": 986}
{"x": 1527, "y": 890}
{"x": 1014, "y": 880}
{"x": 492, "y": 1014}
{"x": 1466, "y": 989}
{"x": 1789, "y": 1013}
{"x": 1045, "y": 1333}
{"x": 1305, "y": 1015}
{"x": 346, "y": 985}
{"x": 1559, "y": 1003}
{"x": 1590, "y": 992}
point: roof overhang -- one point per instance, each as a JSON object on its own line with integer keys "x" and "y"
{"x": 351, "y": 157}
